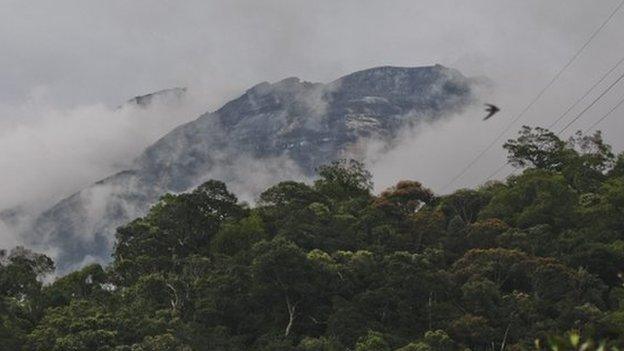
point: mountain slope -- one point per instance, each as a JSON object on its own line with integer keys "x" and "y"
{"x": 271, "y": 132}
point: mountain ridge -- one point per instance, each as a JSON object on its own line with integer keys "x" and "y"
{"x": 272, "y": 131}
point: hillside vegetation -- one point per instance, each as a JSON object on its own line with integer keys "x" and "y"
{"x": 332, "y": 266}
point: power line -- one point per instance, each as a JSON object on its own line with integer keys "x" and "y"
{"x": 576, "y": 118}
{"x": 592, "y": 103}
{"x": 503, "y": 166}
{"x": 578, "y": 101}
{"x": 530, "y": 105}
{"x": 605, "y": 116}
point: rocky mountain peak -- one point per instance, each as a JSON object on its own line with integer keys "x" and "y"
{"x": 273, "y": 131}
{"x": 175, "y": 93}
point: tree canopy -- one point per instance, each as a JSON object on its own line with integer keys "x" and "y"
{"x": 333, "y": 266}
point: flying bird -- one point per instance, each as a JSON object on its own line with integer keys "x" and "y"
{"x": 491, "y": 110}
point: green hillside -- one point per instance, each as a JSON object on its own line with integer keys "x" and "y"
{"x": 332, "y": 266}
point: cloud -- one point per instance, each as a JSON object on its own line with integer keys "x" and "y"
{"x": 429, "y": 152}
{"x": 7, "y": 237}
{"x": 61, "y": 150}
{"x": 247, "y": 177}
{"x": 66, "y": 66}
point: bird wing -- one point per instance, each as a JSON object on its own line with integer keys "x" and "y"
{"x": 491, "y": 110}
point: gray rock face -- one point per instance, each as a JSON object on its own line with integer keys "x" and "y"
{"x": 272, "y": 132}
{"x": 147, "y": 99}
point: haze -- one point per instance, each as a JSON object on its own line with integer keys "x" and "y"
{"x": 67, "y": 65}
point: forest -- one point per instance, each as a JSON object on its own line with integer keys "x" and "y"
{"x": 534, "y": 262}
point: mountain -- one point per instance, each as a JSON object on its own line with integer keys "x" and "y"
{"x": 166, "y": 94}
{"x": 330, "y": 265}
{"x": 272, "y": 132}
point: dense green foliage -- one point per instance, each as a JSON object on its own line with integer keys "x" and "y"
{"x": 330, "y": 266}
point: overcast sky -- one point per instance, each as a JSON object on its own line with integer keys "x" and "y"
{"x": 65, "y": 66}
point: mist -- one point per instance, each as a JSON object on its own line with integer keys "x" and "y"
{"x": 68, "y": 65}
{"x": 61, "y": 150}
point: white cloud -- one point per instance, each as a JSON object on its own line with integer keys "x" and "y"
{"x": 59, "y": 151}
{"x": 67, "y": 64}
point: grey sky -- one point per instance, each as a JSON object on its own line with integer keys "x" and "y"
{"x": 66, "y": 64}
